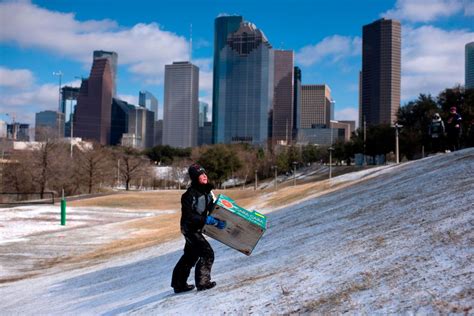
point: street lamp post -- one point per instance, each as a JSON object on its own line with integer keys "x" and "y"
{"x": 118, "y": 172}
{"x": 256, "y": 179}
{"x": 397, "y": 150}
{"x": 365, "y": 139}
{"x": 330, "y": 161}
{"x": 275, "y": 168}
{"x": 71, "y": 124}
{"x": 331, "y": 149}
{"x": 136, "y": 127}
{"x": 294, "y": 172}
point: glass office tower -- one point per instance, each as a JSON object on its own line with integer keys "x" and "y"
{"x": 245, "y": 88}
{"x": 223, "y": 26}
{"x": 147, "y": 100}
{"x": 49, "y": 125}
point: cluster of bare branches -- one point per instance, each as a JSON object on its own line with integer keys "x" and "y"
{"x": 51, "y": 166}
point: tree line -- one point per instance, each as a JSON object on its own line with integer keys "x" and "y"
{"x": 415, "y": 117}
{"x": 50, "y": 166}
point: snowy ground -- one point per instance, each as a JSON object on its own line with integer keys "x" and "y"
{"x": 32, "y": 239}
{"x": 22, "y": 221}
{"x": 399, "y": 240}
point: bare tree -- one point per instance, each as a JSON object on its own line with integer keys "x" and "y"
{"x": 16, "y": 176}
{"x": 250, "y": 163}
{"x": 132, "y": 165}
{"x": 42, "y": 164}
{"x": 93, "y": 166}
{"x": 180, "y": 170}
{"x": 46, "y": 133}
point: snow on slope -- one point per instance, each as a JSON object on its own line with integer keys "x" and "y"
{"x": 400, "y": 241}
{"x": 23, "y": 221}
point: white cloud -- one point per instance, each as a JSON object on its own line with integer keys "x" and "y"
{"x": 143, "y": 48}
{"x": 15, "y": 78}
{"x": 205, "y": 74}
{"x": 432, "y": 59}
{"x": 334, "y": 47}
{"x": 425, "y": 10}
{"x": 132, "y": 99}
{"x": 468, "y": 8}
{"x": 205, "y": 81}
{"x": 347, "y": 114}
{"x": 24, "y": 103}
{"x": 22, "y": 98}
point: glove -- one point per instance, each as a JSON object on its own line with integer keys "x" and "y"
{"x": 221, "y": 224}
{"x": 215, "y": 222}
{"x": 211, "y": 220}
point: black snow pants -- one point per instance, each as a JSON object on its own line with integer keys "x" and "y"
{"x": 197, "y": 251}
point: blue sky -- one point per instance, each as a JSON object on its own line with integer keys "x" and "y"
{"x": 38, "y": 38}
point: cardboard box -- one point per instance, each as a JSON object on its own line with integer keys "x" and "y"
{"x": 244, "y": 228}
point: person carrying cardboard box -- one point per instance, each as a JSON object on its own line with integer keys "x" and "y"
{"x": 196, "y": 203}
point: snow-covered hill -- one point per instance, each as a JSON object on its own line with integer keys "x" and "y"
{"x": 399, "y": 241}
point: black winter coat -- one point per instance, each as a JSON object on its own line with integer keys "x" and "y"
{"x": 196, "y": 203}
{"x": 451, "y": 123}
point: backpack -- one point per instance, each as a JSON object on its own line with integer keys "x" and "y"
{"x": 436, "y": 128}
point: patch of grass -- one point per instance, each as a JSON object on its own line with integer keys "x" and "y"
{"x": 17, "y": 278}
{"x": 446, "y": 237}
{"x": 327, "y": 302}
{"x": 156, "y": 200}
{"x": 379, "y": 241}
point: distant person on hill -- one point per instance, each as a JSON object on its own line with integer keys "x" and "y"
{"x": 436, "y": 132}
{"x": 453, "y": 129}
{"x": 196, "y": 203}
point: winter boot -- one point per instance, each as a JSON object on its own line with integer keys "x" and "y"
{"x": 207, "y": 286}
{"x": 185, "y": 288}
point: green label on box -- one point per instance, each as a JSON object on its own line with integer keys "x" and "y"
{"x": 253, "y": 217}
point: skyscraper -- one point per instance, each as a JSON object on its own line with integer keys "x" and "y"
{"x": 316, "y": 106}
{"x": 203, "y": 110}
{"x": 469, "y": 66}
{"x": 92, "y": 120}
{"x": 223, "y": 26}
{"x": 381, "y": 67}
{"x": 204, "y": 126}
{"x": 181, "y": 105}
{"x": 142, "y": 125}
{"x": 296, "y": 101}
{"x": 283, "y": 97}
{"x": 68, "y": 105}
{"x": 121, "y": 112}
{"x": 49, "y": 125}
{"x": 245, "y": 88}
{"x": 148, "y": 100}
{"x": 18, "y": 131}
{"x": 112, "y": 57}
{"x": 158, "y": 133}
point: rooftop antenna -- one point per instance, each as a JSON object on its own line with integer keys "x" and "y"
{"x": 190, "y": 42}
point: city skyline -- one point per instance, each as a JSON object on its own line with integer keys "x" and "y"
{"x": 62, "y": 36}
